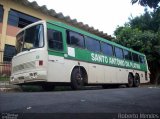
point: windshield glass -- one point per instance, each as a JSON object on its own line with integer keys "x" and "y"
{"x": 30, "y": 38}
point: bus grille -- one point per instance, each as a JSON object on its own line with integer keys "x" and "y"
{"x": 24, "y": 66}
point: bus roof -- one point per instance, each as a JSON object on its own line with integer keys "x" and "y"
{"x": 91, "y": 35}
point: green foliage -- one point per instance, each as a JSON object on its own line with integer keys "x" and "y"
{"x": 143, "y": 22}
{"x": 150, "y": 3}
{"x": 4, "y": 78}
{"x": 142, "y": 41}
{"x": 147, "y": 21}
{"x": 142, "y": 34}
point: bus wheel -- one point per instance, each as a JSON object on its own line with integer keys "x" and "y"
{"x": 130, "y": 80}
{"x": 136, "y": 81}
{"x": 77, "y": 79}
{"x": 48, "y": 87}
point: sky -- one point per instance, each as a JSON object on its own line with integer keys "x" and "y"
{"x": 104, "y": 15}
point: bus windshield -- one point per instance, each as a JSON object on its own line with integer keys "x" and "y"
{"x": 30, "y": 38}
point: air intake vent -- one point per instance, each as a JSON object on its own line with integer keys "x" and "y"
{"x": 24, "y": 66}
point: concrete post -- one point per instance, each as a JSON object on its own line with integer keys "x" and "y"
{"x": 4, "y": 31}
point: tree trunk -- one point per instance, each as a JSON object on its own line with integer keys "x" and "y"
{"x": 154, "y": 68}
{"x": 157, "y": 78}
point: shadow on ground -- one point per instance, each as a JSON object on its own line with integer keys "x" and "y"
{"x": 6, "y": 87}
{"x": 63, "y": 88}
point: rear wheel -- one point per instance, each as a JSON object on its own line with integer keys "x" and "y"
{"x": 136, "y": 81}
{"x": 130, "y": 80}
{"x": 77, "y": 79}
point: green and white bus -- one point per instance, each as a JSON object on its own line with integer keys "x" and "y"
{"x": 52, "y": 53}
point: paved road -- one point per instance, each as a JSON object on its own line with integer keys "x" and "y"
{"x": 123, "y": 100}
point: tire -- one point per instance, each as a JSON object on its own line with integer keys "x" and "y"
{"x": 77, "y": 79}
{"x": 48, "y": 87}
{"x": 136, "y": 82}
{"x": 130, "y": 80}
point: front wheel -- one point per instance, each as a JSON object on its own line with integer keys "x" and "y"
{"x": 130, "y": 80}
{"x": 77, "y": 79}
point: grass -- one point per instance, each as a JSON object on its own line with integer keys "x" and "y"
{"x": 4, "y": 78}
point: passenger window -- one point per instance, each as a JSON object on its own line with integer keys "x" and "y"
{"x": 142, "y": 60}
{"x": 107, "y": 49}
{"x": 75, "y": 39}
{"x": 118, "y": 53}
{"x": 135, "y": 57}
{"x": 127, "y": 55}
{"x": 92, "y": 44}
{"x": 55, "y": 40}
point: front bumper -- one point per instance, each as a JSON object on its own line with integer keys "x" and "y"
{"x": 26, "y": 77}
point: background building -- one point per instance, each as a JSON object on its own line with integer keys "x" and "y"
{"x": 16, "y": 14}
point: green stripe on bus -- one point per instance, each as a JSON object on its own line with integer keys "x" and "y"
{"x": 98, "y": 58}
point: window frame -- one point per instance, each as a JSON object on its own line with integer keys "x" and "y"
{"x": 107, "y": 45}
{"x": 116, "y": 53}
{"x": 69, "y": 38}
{"x": 24, "y": 36}
{"x": 93, "y": 40}
{"x": 14, "y": 17}
{"x": 144, "y": 60}
{"x": 9, "y": 56}
{"x": 1, "y": 13}
{"x": 133, "y": 54}
{"x": 130, "y": 57}
{"x": 55, "y": 40}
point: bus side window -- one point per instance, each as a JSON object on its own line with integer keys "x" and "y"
{"x": 55, "y": 40}
{"x": 127, "y": 55}
{"x": 119, "y": 53}
{"x": 75, "y": 39}
{"x": 135, "y": 57}
{"x": 92, "y": 44}
{"x": 142, "y": 60}
{"x": 107, "y": 49}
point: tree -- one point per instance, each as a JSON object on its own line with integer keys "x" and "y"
{"x": 142, "y": 22}
{"x": 150, "y": 3}
{"x": 138, "y": 40}
{"x": 147, "y": 21}
{"x": 143, "y": 34}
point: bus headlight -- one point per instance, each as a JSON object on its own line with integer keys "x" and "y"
{"x": 12, "y": 79}
{"x": 33, "y": 75}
